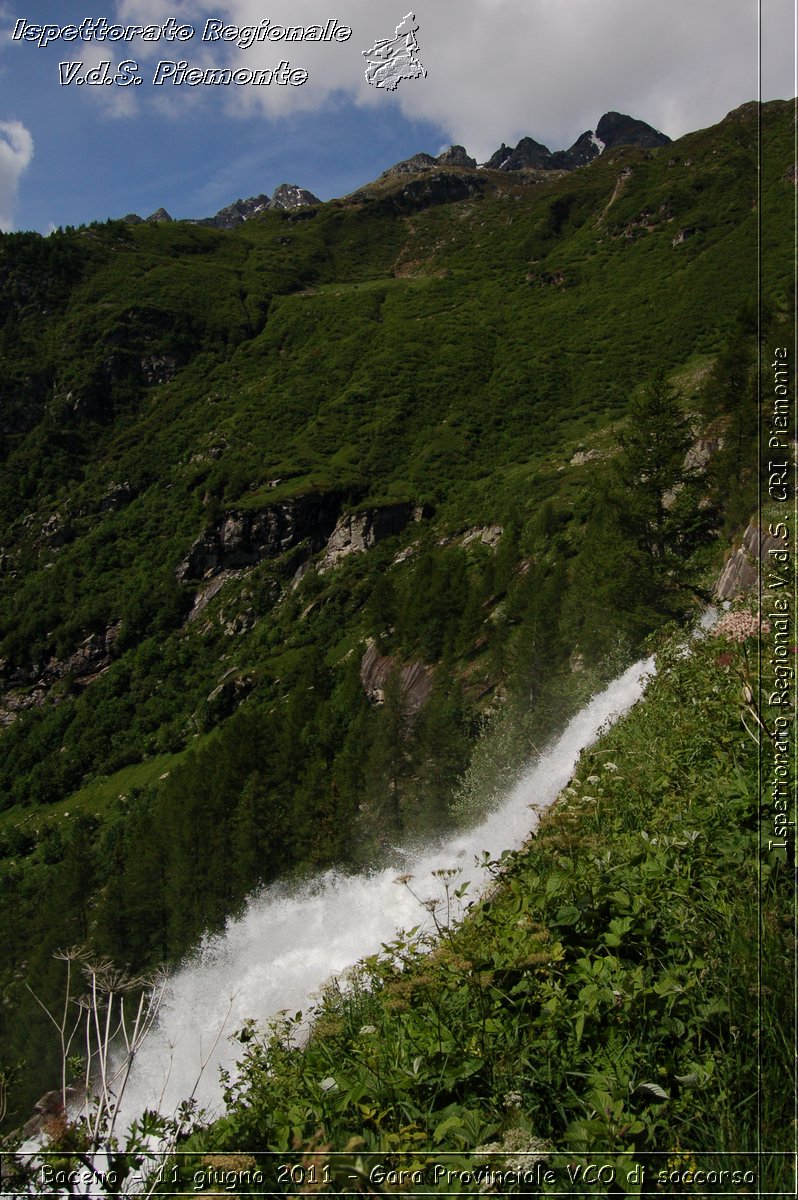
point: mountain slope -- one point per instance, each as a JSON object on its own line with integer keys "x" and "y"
{"x": 621, "y": 994}
{"x": 288, "y": 508}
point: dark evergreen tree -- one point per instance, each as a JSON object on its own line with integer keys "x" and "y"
{"x": 381, "y": 609}
{"x": 388, "y": 755}
{"x": 645, "y": 518}
{"x": 440, "y": 747}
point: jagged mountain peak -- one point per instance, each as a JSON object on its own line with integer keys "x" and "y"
{"x": 286, "y": 196}
{"x": 614, "y": 129}
{"x": 238, "y": 212}
{"x": 456, "y": 156}
{"x": 617, "y": 129}
{"x": 528, "y": 153}
{"x": 290, "y": 195}
{"x": 411, "y": 166}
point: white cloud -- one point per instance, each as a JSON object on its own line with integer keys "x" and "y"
{"x": 116, "y": 101}
{"x": 334, "y": 68}
{"x": 500, "y": 69}
{"x": 16, "y": 152}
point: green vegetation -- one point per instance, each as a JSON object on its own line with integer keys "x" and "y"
{"x": 606, "y": 995}
{"x": 618, "y": 1005}
{"x": 499, "y": 365}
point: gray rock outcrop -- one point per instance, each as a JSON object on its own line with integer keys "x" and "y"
{"x": 528, "y": 153}
{"x": 410, "y": 166}
{"x": 356, "y": 532}
{"x": 456, "y": 156}
{"x": 29, "y": 687}
{"x": 244, "y": 538}
{"x": 415, "y": 679}
{"x": 49, "y": 1110}
{"x": 437, "y": 187}
{"x": 742, "y": 568}
{"x": 617, "y": 129}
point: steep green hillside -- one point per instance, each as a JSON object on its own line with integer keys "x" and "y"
{"x": 288, "y": 510}
{"x": 622, "y": 999}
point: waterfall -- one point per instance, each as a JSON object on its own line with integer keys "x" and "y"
{"x": 290, "y": 941}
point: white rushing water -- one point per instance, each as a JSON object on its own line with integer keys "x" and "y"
{"x": 288, "y": 943}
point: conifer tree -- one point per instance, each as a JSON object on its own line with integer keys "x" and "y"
{"x": 650, "y": 472}
{"x": 645, "y": 520}
{"x": 387, "y": 759}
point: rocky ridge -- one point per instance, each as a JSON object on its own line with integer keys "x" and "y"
{"x": 244, "y": 538}
{"x": 614, "y": 129}
{"x": 286, "y": 196}
{"x": 314, "y": 520}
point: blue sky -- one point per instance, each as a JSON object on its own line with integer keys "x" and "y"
{"x": 496, "y": 70}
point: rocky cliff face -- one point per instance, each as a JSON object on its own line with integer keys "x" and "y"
{"x": 29, "y": 687}
{"x": 242, "y": 539}
{"x": 586, "y": 147}
{"x": 356, "y": 532}
{"x": 284, "y": 198}
{"x": 237, "y": 213}
{"x": 456, "y": 156}
{"x": 288, "y": 195}
{"x": 742, "y": 568}
{"x": 441, "y": 187}
{"x": 415, "y": 679}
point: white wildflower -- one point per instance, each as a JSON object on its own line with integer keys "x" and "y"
{"x": 738, "y": 626}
